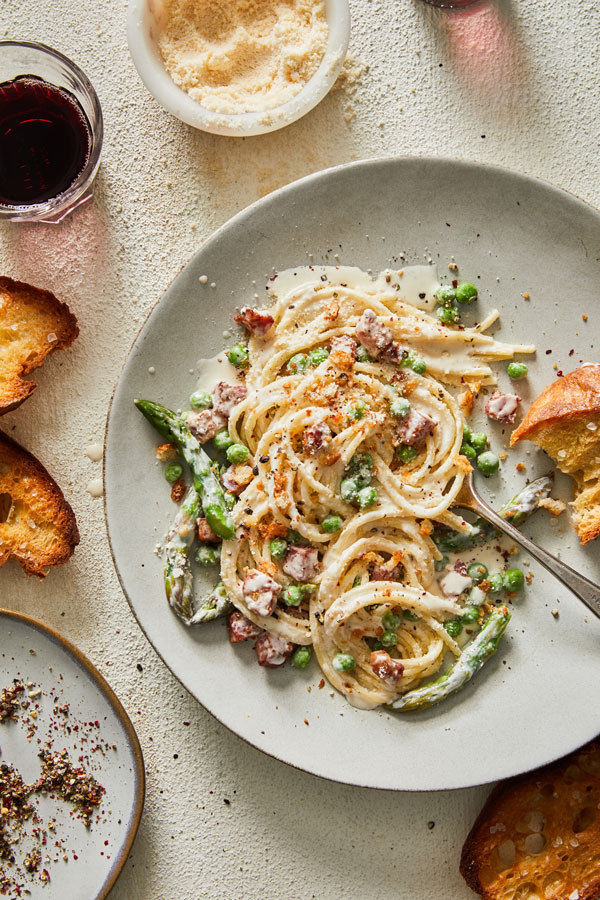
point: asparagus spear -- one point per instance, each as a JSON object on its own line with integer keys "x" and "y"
{"x": 211, "y": 494}
{"x": 468, "y": 663}
{"x": 516, "y": 511}
{"x": 178, "y": 572}
{"x": 216, "y": 604}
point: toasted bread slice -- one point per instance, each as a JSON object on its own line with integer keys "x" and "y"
{"x": 538, "y": 835}
{"x": 33, "y": 323}
{"x": 37, "y": 525}
{"x": 565, "y": 422}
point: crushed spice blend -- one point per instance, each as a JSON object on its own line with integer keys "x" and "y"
{"x": 60, "y": 778}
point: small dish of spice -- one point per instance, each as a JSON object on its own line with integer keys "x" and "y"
{"x": 238, "y": 67}
{"x": 71, "y": 768}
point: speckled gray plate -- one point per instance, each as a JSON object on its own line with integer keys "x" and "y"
{"x": 536, "y": 699}
{"x": 36, "y": 653}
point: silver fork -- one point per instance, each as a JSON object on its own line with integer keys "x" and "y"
{"x": 586, "y": 590}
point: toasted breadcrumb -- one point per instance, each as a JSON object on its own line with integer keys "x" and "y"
{"x": 178, "y": 491}
{"x": 166, "y": 452}
{"x": 554, "y": 507}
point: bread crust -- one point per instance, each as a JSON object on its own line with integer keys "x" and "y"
{"x": 574, "y": 395}
{"x": 54, "y": 535}
{"x": 511, "y": 801}
{"x": 59, "y": 319}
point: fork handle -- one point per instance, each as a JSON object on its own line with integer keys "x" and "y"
{"x": 582, "y": 587}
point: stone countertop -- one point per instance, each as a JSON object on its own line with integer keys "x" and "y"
{"x": 515, "y": 84}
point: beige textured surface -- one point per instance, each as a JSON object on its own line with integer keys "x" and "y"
{"x": 512, "y": 84}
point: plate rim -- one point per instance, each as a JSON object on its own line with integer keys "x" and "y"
{"x": 131, "y": 735}
{"x": 214, "y": 236}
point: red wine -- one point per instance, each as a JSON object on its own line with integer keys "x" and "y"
{"x": 45, "y": 140}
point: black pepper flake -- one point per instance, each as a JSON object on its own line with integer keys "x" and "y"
{"x": 140, "y": 667}
{"x": 264, "y": 459}
{"x": 431, "y": 825}
{"x": 548, "y": 352}
{"x": 226, "y": 801}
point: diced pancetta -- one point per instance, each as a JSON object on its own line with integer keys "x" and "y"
{"x": 226, "y": 396}
{"x": 240, "y": 628}
{"x": 272, "y": 650}
{"x": 413, "y": 429}
{"x": 205, "y": 532}
{"x": 457, "y": 580}
{"x": 388, "y": 669}
{"x": 390, "y": 570}
{"x": 205, "y": 424}
{"x": 301, "y": 563}
{"x": 256, "y": 321}
{"x": 315, "y": 436}
{"x": 343, "y": 351}
{"x": 235, "y": 478}
{"x": 260, "y": 591}
{"x": 502, "y": 407}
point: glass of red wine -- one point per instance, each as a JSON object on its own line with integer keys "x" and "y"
{"x": 50, "y": 134}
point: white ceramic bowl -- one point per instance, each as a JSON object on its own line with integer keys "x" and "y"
{"x": 143, "y": 29}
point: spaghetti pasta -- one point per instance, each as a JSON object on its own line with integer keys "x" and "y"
{"x": 332, "y": 446}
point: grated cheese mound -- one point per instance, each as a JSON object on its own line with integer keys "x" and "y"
{"x": 235, "y": 56}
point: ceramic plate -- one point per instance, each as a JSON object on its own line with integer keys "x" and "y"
{"x": 514, "y": 235}
{"x": 71, "y": 705}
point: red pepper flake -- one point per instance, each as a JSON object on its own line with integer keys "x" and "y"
{"x": 584, "y": 317}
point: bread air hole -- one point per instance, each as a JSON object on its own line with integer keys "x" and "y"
{"x": 5, "y": 506}
{"x": 584, "y": 818}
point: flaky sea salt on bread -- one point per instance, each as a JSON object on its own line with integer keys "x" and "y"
{"x": 37, "y": 525}
{"x": 33, "y": 324}
{"x": 538, "y": 835}
{"x": 565, "y": 422}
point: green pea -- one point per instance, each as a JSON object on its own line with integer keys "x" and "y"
{"x": 466, "y": 434}
{"x": 343, "y": 662}
{"x": 466, "y": 292}
{"x": 488, "y": 463}
{"x": 479, "y": 441}
{"x": 362, "y": 354}
{"x": 445, "y": 295}
{"x": 297, "y": 364}
{"x": 221, "y": 440}
{"x": 356, "y": 411}
{"x": 201, "y": 400}
{"x": 331, "y": 523}
{"x": 318, "y": 355}
{"x": 238, "y": 356}
{"x": 440, "y": 564}
{"x": 366, "y": 497}
{"x": 278, "y": 548}
{"x": 301, "y": 657}
{"x": 173, "y": 471}
{"x": 406, "y": 454}
{"x": 470, "y": 615}
{"x": 357, "y": 581}
{"x": 377, "y": 645}
{"x": 207, "y": 555}
{"x": 308, "y": 589}
{"x": 348, "y": 489}
{"x": 292, "y": 595}
{"x": 453, "y": 627}
{"x": 468, "y": 451}
{"x": 517, "y": 370}
{"x": 496, "y": 583}
{"x": 237, "y": 453}
{"x": 389, "y": 639}
{"x": 411, "y": 616}
{"x": 294, "y": 537}
{"x": 360, "y": 468}
{"x": 448, "y": 315}
{"x": 477, "y": 571}
{"x": 400, "y": 407}
{"x": 418, "y": 365}
{"x": 513, "y": 580}
{"x": 390, "y": 620}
